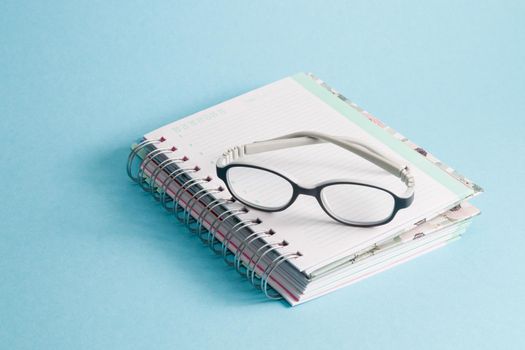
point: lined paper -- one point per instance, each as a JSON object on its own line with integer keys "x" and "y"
{"x": 284, "y": 107}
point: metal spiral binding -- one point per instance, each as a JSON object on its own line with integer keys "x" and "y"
{"x": 168, "y": 181}
{"x": 236, "y": 228}
{"x": 269, "y": 270}
{"x": 177, "y": 208}
{"x": 144, "y": 163}
{"x": 134, "y": 154}
{"x": 221, "y": 219}
{"x": 158, "y": 170}
{"x": 209, "y": 208}
{"x": 244, "y": 244}
{"x": 194, "y": 200}
{"x": 195, "y": 224}
{"x": 270, "y": 247}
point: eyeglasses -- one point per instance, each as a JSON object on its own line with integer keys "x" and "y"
{"x": 244, "y": 180}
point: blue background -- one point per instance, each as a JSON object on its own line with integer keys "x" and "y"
{"x": 88, "y": 261}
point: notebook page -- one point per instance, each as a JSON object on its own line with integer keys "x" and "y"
{"x": 284, "y": 107}
{"x": 448, "y": 235}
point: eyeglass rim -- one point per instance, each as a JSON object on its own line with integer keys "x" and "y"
{"x": 399, "y": 202}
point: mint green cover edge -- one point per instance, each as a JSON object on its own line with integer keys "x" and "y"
{"x": 402, "y": 149}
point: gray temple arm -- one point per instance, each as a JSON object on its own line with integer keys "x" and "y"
{"x": 304, "y": 138}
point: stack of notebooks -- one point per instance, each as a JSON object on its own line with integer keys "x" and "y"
{"x": 300, "y": 253}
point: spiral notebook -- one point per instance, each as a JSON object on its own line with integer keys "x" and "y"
{"x": 300, "y": 253}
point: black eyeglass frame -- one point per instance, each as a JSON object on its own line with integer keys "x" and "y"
{"x": 316, "y": 191}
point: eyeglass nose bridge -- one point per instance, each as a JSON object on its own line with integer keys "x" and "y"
{"x": 306, "y": 190}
